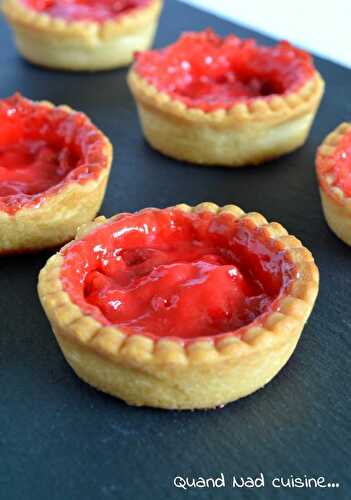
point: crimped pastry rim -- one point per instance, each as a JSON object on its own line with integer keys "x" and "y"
{"x": 256, "y": 109}
{"x": 70, "y": 322}
{"x": 326, "y": 150}
{"x": 63, "y": 186}
{"x": 20, "y": 14}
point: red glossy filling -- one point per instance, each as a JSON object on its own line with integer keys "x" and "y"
{"x": 86, "y": 10}
{"x": 167, "y": 273}
{"x": 339, "y": 165}
{"x": 42, "y": 148}
{"x": 206, "y": 71}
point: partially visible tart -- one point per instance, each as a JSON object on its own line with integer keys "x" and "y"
{"x": 82, "y": 34}
{"x": 225, "y": 101}
{"x": 333, "y": 164}
{"x": 54, "y": 167}
{"x": 182, "y": 307}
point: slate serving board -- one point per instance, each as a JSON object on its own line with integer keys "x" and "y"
{"x": 62, "y": 440}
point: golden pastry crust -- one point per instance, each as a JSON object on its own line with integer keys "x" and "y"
{"x": 336, "y": 205}
{"x": 167, "y": 373}
{"x": 56, "y": 219}
{"x": 81, "y": 45}
{"x": 247, "y": 133}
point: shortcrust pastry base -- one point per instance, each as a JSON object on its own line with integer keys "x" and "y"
{"x": 246, "y": 134}
{"x": 165, "y": 373}
{"x": 54, "y": 222}
{"x": 338, "y": 217}
{"x": 186, "y": 387}
{"x": 81, "y": 46}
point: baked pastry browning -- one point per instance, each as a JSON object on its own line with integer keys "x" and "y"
{"x": 82, "y": 35}
{"x": 333, "y": 164}
{"x": 230, "y": 102}
{"x": 180, "y": 308}
{"x": 54, "y": 167}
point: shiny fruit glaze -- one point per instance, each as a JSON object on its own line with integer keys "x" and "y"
{"x": 167, "y": 273}
{"x": 86, "y": 10}
{"x": 338, "y": 165}
{"x": 209, "y": 72}
{"x": 41, "y": 149}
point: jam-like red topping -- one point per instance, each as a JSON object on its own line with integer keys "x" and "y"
{"x": 43, "y": 148}
{"x": 86, "y": 10}
{"x": 209, "y": 72}
{"x": 166, "y": 273}
{"x": 337, "y": 166}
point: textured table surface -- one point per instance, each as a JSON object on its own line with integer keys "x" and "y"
{"x": 62, "y": 440}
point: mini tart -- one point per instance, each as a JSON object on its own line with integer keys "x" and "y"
{"x": 333, "y": 165}
{"x": 54, "y": 167}
{"x": 90, "y": 35}
{"x": 230, "y": 102}
{"x": 180, "y": 308}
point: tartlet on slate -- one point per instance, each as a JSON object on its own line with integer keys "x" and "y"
{"x": 180, "y": 308}
{"x": 225, "y": 101}
{"x": 333, "y": 164}
{"x": 91, "y": 35}
{"x": 54, "y": 168}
